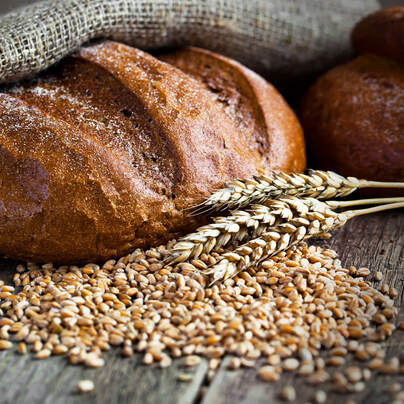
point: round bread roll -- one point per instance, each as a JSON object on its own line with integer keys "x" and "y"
{"x": 108, "y": 150}
{"x": 353, "y": 118}
{"x": 381, "y": 33}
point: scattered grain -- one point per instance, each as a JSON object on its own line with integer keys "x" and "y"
{"x": 290, "y": 364}
{"x": 234, "y": 363}
{"x": 366, "y": 374}
{"x": 185, "y": 377}
{"x": 306, "y": 368}
{"x": 363, "y": 272}
{"x": 85, "y": 386}
{"x": 269, "y": 373}
{"x": 354, "y": 374}
{"x": 274, "y": 359}
{"x": 288, "y": 393}
{"x": 127, "y": 351}
{"x": 5, "y": 345}
{"x": 165, "y": 362}
{"x": 357, "y": 387}
{"x": 390, "y": 367}
{"x": 335, "y": 361}
{"x": 320, "y": 397}
{"x": 318, "y": 377}
{"x": 43, "y": 354}
{"x": 286, "y": 309}
{"x": 22, "y": 348}
{"x": 375, "y": 363}
{"x": 192, "y": 360}
{"x": 93, "y": 361}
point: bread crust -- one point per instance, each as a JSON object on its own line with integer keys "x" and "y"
{"x": 381, "y": 33}
{"x": 254, "y": 106}
{"x": 353, "y": 118}
{"x": 107, "y": 151}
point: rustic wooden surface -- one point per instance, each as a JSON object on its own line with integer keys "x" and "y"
{"x": 376, "y": 241}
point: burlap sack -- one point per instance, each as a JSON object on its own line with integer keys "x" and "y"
{"x": 278, "y": 38}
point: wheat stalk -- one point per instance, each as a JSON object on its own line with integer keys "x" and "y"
{"x": 225, "y": 230}
{"x": 316, "y": 184}
{"x": 251, "y": 224}
{"x": 372, "y": 201}
{"x": 312, "y": 219}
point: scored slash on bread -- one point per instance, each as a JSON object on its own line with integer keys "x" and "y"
{"x": 106, "y": 151}
{"x": 253, "y": 105}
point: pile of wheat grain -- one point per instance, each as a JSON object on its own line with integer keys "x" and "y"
{"x": 286, "y": 309}
{"x": 246, "y": 285}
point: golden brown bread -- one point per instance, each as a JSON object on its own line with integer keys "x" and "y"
{"x": 105, "y": 152}
{"x": 381, "y": 33}
{"x": 253, "y": 105}
{"x": 353, "y": 118}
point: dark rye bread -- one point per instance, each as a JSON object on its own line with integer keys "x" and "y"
{"x": 381, "y": 33}
{"x": 353, "y": 118}
{"x": 106, "y": 151}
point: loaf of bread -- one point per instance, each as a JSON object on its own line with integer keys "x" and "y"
{"x": 108, "y": 150}
{"x": 381, "y": 33}
{"x": 353, "y": 116}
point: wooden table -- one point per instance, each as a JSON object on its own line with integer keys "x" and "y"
{"x": 376, "y": 241}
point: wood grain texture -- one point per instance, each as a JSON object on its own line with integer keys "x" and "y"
{"x": 375, "y": 241}
{"x": 53, "y": 381}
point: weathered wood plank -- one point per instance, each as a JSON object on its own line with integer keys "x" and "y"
{"x": 122, "y": 380}
{"x": 375, "y": 241}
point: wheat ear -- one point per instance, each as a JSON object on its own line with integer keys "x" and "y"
{"x": 312, "y": 218}
{"x": 316, "y": 184}
{"x": 225, "y": 230}
{"x": 249, "y": 224}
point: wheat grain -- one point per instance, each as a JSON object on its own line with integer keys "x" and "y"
{"x": 241, "y": 193}
{"x": 288, "y": 393}
{"x": 85, "y": 386}
{"x": 316, "y": 184}
{"x": 311, "y": 218}
{"x": 310, "y": 304}
{"x": 320, "y": 397}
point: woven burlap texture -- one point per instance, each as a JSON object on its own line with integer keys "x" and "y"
{"x": 277, "y": 38}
